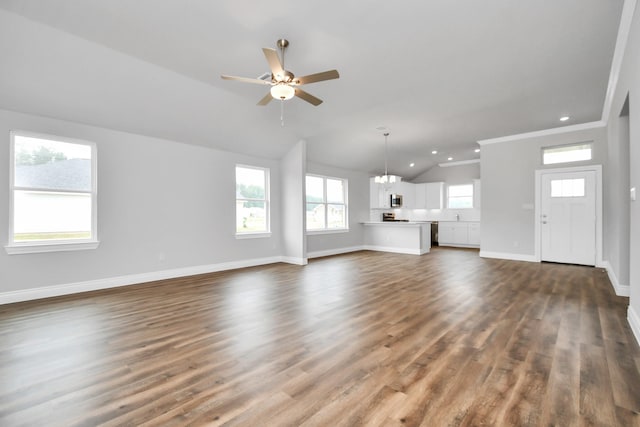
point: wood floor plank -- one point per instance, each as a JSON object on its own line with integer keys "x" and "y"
{"x": 366, "y": 338}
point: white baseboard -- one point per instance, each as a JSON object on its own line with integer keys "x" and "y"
{"x": 509, "y": 256}
{"x": 294, "y": 260}
{"x": 132, "y": 279}
{"x": 338, "y": 251}
{"x": 394, "y": 250}
{"x": 620, "y": 290}
{"x": 634, "y": 322}
{"x": 454, "y": 245}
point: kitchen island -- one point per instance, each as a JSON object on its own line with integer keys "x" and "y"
{"x": 396, "y": 236}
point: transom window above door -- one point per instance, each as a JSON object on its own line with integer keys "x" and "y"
{"x": 566, "y": 153}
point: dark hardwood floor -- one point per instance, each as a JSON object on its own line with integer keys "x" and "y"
{"x": 367, "y": 338}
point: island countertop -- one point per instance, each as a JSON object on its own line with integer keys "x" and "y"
{"x": 394, "y": 223}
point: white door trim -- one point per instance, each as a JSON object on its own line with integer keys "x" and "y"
{"x": 538, "y": 194}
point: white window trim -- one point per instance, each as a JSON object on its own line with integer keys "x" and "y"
{"x": 14, "y": 248}
{"x": 344, "y": 229}
{"x": 569, "y": 162}
{"x": 473, "y": 191}
{"x": 267, "y": 200}
{"x": 252, "y": 235}
{"x": 327, "y": 231}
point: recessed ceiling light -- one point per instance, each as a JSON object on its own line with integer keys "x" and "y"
{"x": 564, "y": 118}
{"x": 434, "y": 152}
{"x": 477, "y": 150}
{"x": 450, "y": 158}
{"x": 411, "y": 164}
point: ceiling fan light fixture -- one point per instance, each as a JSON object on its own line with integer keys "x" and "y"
{"x": 282, "y": 91}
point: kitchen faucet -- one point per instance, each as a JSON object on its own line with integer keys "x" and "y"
{"x": 457, "y": 217}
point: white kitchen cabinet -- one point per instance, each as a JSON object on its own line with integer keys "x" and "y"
{"x": 378, "y": 196}
{"x": 421, "y": 196}
{"x": 374, "y": 194}
{"x": 465, "y": 234}
{"x": 434, "y": 195}
{"x": 474, "y": 233}
{"x": 408, "y": 192}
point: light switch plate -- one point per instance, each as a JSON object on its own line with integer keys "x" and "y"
{"x": 632, "y": 194}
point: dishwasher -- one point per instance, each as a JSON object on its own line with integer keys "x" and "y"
{"x": 434, "y": 233}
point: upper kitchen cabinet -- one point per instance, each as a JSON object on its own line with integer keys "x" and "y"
{"x": 378, "y": 197}
{"x": 434, "y": 195}
{"x": 421, "y": 196}
{"x": 428, "y": 195}
{"x": 408, "y": 192}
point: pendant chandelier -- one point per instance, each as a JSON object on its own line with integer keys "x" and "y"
{"x": 386, "y": 179}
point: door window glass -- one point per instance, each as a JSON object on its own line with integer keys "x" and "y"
{"x": 567, "y": 187}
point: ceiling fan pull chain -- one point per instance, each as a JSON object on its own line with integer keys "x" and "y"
{"x": 282, "y": 112}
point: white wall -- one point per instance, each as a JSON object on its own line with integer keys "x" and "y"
{"x": 616, "y": 202}
{"x": 459, "y": 174}
{"x": 358, "y": 207}
{"x": 162, "y": 205}
{"x": 293, "y": 211}
{"x": 508, "y": 188}
{"x": 628, "y": 84}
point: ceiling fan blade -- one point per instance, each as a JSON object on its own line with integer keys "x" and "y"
{"x": 318, "y": 77}
{"x": 267, "y": 99}
{"x": 308, "y": 97}
{"x": 246, "y": 80}
{"x": 274, "y": 61}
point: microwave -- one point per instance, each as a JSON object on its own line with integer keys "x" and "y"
{"x": 396, "y": 200}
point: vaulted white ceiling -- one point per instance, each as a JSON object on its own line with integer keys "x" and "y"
{"x": 438, "y": 74}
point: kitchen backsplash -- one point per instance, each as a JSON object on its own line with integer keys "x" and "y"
{"x": 428, "y": 214}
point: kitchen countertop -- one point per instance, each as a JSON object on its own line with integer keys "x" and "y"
{"x": 394, "y": 223}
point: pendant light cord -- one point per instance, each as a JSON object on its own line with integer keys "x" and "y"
{"x": 385, "y": 153}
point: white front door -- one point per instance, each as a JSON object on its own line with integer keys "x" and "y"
{"x": 568, "y": 217}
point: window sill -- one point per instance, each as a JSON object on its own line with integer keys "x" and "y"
{"x": 33, "y": 248}
{"x": 328, "y": 231}
{"x": 252, "y": 235}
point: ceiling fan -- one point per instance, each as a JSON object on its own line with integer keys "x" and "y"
{"x": 284, "y": 84}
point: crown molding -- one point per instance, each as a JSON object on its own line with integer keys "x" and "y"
{"x": 546, "y": 132}
{"x": 458, "y": 163}
{"x": 618, "y": 55}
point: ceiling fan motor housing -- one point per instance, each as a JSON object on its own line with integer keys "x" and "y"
{"x": 285, "y": 77}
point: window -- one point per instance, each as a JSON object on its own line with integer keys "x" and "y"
{"x": 460, "y": 196}
{"x": 53, "y": 194}
{"x": 567, "y": 187}
{"x": 326, "y": 203}
{"x": 566, "y": 154}
{"x": 252, "y": 200}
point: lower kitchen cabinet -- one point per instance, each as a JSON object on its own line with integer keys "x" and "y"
{"x": 465, "y": 234}
{"x": 474, "y": 233}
